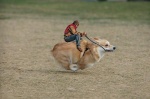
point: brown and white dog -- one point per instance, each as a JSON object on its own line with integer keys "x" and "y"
{"x": 69, "y": 57}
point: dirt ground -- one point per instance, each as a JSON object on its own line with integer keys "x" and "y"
{"x": 27, "y": 70}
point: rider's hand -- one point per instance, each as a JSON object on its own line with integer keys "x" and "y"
{"x": 84, "y": 34}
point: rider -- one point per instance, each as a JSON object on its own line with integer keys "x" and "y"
{"x": 71, "y": 34}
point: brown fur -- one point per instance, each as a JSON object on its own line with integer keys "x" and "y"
{"x": 67, "y": 54}
{"x": 62, "y": 52}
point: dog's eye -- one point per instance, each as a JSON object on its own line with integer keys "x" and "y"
{"x": 106, "y": 45}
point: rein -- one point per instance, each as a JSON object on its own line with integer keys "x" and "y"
{"x": 94, "y": 42}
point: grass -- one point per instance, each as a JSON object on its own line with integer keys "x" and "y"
{"x": 128, "y": 11}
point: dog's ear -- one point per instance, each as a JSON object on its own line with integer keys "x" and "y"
{"x": 95, "y": 38}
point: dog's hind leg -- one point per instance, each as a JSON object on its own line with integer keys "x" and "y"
{"x": 64, "y": 63}
{"x": 74, "y": 67}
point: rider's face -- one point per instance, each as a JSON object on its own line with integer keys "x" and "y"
{"x": 77, "y": 25}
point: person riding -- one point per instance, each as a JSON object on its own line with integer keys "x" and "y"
{"x": 71, "y": 34}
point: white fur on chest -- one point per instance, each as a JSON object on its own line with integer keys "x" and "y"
{"x": 100, "y": 53}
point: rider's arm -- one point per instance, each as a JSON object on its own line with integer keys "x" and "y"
{"x": 72, "y": 29}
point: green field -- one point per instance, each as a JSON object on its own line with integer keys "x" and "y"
{"x": 131, "y": 11}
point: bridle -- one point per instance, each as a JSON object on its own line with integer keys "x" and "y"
{"x": 94, "y": 42}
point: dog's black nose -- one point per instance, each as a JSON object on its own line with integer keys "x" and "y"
{"x": 114, "y": 48}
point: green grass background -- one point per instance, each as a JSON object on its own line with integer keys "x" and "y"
{"x": 128, "y": 11}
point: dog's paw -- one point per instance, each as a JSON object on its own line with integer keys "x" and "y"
{"x": 74, "y": 67}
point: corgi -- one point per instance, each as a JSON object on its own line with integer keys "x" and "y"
{"x": 70, "y": 58}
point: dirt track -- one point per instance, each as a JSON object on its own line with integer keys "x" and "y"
{"x": 28, "y": 71}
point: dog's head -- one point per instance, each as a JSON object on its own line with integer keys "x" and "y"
{"x": 105, "y": 44}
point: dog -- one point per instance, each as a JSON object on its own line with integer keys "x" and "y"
{"x": 69, "y": 57}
